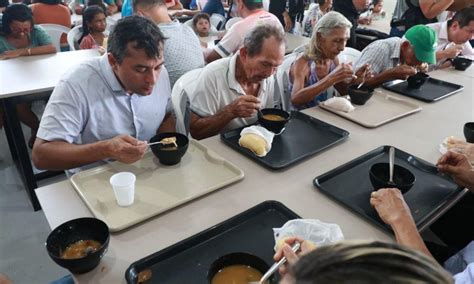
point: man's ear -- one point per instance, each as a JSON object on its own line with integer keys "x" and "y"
{"x": 112, "y": 61}
{"x": 243, "y": 53}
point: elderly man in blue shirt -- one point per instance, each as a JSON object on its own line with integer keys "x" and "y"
{"x": 109, "y": 106}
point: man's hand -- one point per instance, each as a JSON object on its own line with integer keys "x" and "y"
{"x": 126, "y": 149}
{"x": 288, "y": 21}
{"x": 292, "y": 257}
{"x": 390, "y": 205}
{"x": 403, "y": 71}
{"x": 459, "y": 167}
{"x": 364, "y": 21}
{"x": 244, "y": 106}
{"x": 453, "y": 51}
{"x": 363, "y": 74}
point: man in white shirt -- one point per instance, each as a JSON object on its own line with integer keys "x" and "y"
{"x": 253, "y": 13}
{"x": 230, "y": 90}
{"x": 109, "y": 106}
{"x": 454, "y": 36}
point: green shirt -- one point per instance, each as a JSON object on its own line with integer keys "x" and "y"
{"x": 38, "y": 37}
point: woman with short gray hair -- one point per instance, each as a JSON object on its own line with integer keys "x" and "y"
{"x": 318, "y": 68}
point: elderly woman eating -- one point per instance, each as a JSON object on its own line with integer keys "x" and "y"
{"x": 318, "y": 68}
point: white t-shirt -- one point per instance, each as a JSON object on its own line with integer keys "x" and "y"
{"x": 217, "y": 88}
{"x": 234, "y": 37}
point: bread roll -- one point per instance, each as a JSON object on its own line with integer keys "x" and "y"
{"x": 254, "y": 143}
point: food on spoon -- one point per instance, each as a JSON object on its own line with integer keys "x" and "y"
{"x": 169, "y": 141}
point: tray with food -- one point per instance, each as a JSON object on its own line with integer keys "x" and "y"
{"x": 297, "y": 137}
{"x": 380, "y": 109}
{"x": 430, "y": 90}
{"x": 247, "y": 236}
{"x": 161, "y": 183}
{"x": 425, "y": 189}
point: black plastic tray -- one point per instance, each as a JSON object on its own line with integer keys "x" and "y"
{"x": 433, "y": 90}
{"x": 350, "y": 185}
{"x": 189, "y": 260}
{"x": 304, "y": 136}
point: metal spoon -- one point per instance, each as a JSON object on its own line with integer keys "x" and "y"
{"x": 391, "y": 157}
{"x": 363, "y": 79}
{"x": 276, "y": 265}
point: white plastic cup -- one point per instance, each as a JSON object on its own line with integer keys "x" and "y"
{"x": 123, "y": 184}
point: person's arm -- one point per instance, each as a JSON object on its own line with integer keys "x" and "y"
{"x": 168, "y": 124}
{"x": 393, "y": 210}
{"x": 401, "y": 72}
{"x": 432, "y": 8}
{"x": 61, "y": 155}
{"x": 287, "y": 20}
{"x": 459, "y": 167}
{"x": 450, "y": 52}
{"x": 202, "y": 127}
{"x": 211, "y": 55}
{"x": 45, "y": 49}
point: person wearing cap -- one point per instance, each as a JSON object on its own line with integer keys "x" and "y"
{"x": 397, "y": 58}
{"x": 454, "y": 36}
{"x": 253, "y": 14}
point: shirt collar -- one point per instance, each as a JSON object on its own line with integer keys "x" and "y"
{"x": 232, "y": 81}
{"x": 109, "y": 74}
{"x": 443, "y": 31}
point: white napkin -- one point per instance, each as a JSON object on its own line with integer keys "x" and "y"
{"x": 339, "y": 104}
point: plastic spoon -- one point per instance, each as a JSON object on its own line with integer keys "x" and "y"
{"x": 275, "y": 266}
{"x": 391, "y": 157}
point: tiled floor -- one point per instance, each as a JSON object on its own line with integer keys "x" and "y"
{"x": 23, "y": 232}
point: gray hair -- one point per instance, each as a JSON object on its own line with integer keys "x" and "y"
{"x": 254, "y": 39}
{"x": 367, "y": 262}
{"x": 324, "y": 26}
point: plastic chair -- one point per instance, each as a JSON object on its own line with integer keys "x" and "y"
{"x": 218, "y": 21}
{"x": 181, "y": 96}
{"x": 349, "y": 55}
{"x": 73, "y": 36}
{"x": 55, "y": 32}
{"x": 282, "y": 78}
{"x": 231, "y": 22}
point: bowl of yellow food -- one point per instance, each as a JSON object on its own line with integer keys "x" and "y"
{"x": 79, "y": 244}
{"x": 273, "y": 119}
{"x": 237, "y": 267}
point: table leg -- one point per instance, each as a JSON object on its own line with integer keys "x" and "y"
{"x": 8, "y": 134}
{"x": 23, "y": 161}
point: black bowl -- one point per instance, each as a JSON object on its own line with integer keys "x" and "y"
{"x": 360, "y": 96}
{"x": 469, "y": 132}
{"x": 273, "y": 126}
{"x": 461, "y": 63}
{"x": 379, "y": 174}
{"x": 75, "y": 230}
{"x": 169, "y": 157}
{"x": 417, "y": 80}
{"x": 238, "y": 258}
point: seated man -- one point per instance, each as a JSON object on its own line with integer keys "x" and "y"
{"x": 454, "y": 36}
{"x": 108, "y": 106}
{"x": 182, "y": 48}
{"x": 396, "y": 58}
{"x": 352, "y": 10}
{"x": 230, "y": 90}
{"x": 253, "y": 13}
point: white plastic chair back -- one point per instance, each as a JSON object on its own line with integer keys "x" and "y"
{"x": 218, "y": 21}
{"x": 181, "y": 96}
{"x": 349, "y": 55}
{"x": 282, "y": 79}
{"x": 73, "y": 37}
{"x": 55, "y": 32}
{"x": 231, "y": 22}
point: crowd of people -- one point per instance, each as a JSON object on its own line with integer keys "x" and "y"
{"x": 147, "y": 51}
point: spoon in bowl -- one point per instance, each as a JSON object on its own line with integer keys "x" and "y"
{"x": 296, "y": 246}
{"x": 391, "y": 158}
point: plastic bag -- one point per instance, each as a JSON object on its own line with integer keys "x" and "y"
{"x": 309, "y": 229}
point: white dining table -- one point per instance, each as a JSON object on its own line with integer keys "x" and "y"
{"x": 31, "y": 75}
{"x": 418, "y": 134}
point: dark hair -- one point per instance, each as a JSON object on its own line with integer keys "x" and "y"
{"x": 253, "y": 4}
{"x": 88, "y": 15}
{"x": 199, "y": 16}
{"x": 48, "y": 2}
{"x": 16, "y": 12}
{"x": 367, "y": 262}
{"x": 321, "y": 2}
{"x": 254, "y": 39}
{"x": 375, "y": 2}
{"x": 99, "y": 3}
{"x": 147, "y": 3}
{"x": 463, "y": 17}
{"x": 4, "y": 3}
{"x": 141, "y": 32}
